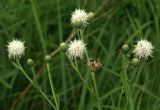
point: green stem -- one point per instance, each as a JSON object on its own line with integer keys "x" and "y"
{"x": 38, "y": 26}
{"x": 81, "y": 34}
{"x": 133, "y": 74}
{"x": 82, "y": 38}
{"x": 96, "y": 91}
{"x": 18, "y": 66}
{"x": 34, "y": 76}
{"x": 125, "y": 81}
{"x": 79, "y": 74}
{"x": 81, "y": 77}
{"x": 60, "y": 33}
{"x": 52, "y": 87}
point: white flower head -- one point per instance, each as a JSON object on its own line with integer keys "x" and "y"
{"x": 79, "y": 18}
{"x": 15, "y": 49}
{"x": 143, "y": 49}
{"x": 76, "y": 49}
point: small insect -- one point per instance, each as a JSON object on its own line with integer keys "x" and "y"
{"x": 94, "y": 64}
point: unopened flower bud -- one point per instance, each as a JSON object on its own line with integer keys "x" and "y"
{"x": 135, "y": 62}
{"x": 90, "y": 15}
{"x": 63, "y": 46}
{"x": 125, "y": 48}
{"x": 94, "y": 64}
{"x": 48, "y": 58}
{"x": 30, "y": 62}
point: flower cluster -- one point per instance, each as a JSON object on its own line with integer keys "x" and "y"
{"x": 77, "y": 48}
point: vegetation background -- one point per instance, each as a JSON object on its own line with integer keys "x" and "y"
{"x": 116, "y": 22}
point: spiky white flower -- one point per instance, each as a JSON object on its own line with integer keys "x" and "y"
{"x": 15, "y": 49}
{"x": 143, "y": 49}
{"x": 79, "y": 18}
{"x": 76, "y": 49}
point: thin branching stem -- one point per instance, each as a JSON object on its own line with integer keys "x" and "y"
{"x": 34, "y": 76}
{"x": 79, "y": 74}
{"x": 52, "y": 86}
{"x": 96, "y": 91}
{"x": 125, "y": 82}
{"x": 18, "y": 66}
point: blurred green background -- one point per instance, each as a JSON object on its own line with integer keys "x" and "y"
{"x": 116, "y": 22}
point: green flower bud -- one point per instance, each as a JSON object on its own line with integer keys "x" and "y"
{"x": 125, "y": 48}
{"x": 30, "y": 62}
{"x": 90, "y": 15}
{"x": 63, "y": 46}
{"x": 48, "y": 58}
{"x": 135, "y": 62}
